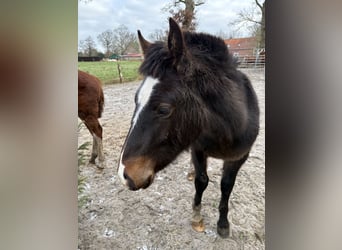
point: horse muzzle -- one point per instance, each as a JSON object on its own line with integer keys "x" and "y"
{"x": 137, "y": 173}
{"x": 137, "y": 185}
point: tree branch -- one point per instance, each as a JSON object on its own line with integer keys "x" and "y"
{"x": 179, "y": 1}
{"x": 251, "y": 20}
{"x": 259, "y": 5}
{"x": 199, "y": 3}
{"x": 246, "y": 16}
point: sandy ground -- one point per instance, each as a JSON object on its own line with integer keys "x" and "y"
{"x": 159, "y": 217}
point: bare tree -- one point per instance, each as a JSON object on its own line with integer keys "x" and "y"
{"x": 106, "y": 39}
{"x": 122, "y": 39}
{"x": 88, "y": 46}
{"x": 186, "y": 14}
{"x": 228, "y": 35}
{"x": 158, "y": 35}
{"x": 222, "y": 34}
{"x": 262, "y": 24}
{"x": 250, "y": 18}
{"x": 134, "y": 47}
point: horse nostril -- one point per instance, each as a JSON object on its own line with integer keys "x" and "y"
{"x": 130, "y": 182}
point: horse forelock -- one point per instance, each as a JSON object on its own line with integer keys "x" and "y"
{"x": 157, "y": 61}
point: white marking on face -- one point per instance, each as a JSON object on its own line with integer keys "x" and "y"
{"x": 121, "y": 171}
{"x": 143, "y": 97}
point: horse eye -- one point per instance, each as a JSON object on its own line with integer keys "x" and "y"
{"x": 164, "y": 110}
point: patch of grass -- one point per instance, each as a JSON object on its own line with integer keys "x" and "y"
{"x": 82, "y": 184}
{"x": 81, "y": 154}
{"x": 108, "y": 72}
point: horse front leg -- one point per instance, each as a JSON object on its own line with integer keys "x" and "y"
{"x": 199, "y": 160}
{"x": 95, "y": 129}
{"x": 230, "y": 170}
{"x": 89, "y": 122}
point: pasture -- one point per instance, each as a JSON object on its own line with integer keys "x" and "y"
{"x": 108, "y": 72}
{"x": 160, "y": 216}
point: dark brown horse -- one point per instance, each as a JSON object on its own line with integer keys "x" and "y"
{"x": 192, "y": 96}
{"x": 90, "y": 107}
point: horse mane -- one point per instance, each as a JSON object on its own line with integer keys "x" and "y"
{"x": 208, "y": 50}
{"x": 157, "y": 60}
{"x": 203, "y": 54}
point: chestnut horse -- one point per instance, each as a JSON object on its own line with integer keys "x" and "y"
{"x": 90, "y": 107}
{"x": 194, "y": 97}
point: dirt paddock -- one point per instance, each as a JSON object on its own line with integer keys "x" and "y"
{"x": 159, "y": 217}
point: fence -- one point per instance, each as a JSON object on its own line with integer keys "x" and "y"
{"x": 249, "y": 57}
{"x": 251, "y": 61}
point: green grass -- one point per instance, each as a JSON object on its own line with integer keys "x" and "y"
{"x": 108, "y": 73}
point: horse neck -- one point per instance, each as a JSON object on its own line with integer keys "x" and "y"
{"x": 220, "y": 98}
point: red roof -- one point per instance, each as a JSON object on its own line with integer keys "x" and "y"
{"x": 241, "y": 43}
{"x": 241, "y": 46}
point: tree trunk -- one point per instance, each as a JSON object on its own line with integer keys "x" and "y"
{"x": 262, "y": 24}
{"x": 189, "y": 14}
{"x": 262, "y": 36}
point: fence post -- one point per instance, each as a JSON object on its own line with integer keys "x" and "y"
{"x": 256, "y": 59}
{"x": 119, "y": 70}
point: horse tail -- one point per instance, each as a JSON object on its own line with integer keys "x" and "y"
{"x": 101, "y": 103}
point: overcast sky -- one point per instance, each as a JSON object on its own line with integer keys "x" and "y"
{"x": 97, "y": 16}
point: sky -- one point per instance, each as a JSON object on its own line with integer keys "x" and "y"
{"x": 96, "y": 16}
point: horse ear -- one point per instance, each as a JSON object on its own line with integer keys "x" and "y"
{"x": 143, "y": 43}
{"x": 175, "y": 40}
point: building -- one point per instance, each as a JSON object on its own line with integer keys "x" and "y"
{"x": 246, "y": 50}
{"x": 240, "y": 47}
{"x": 132, "y": 56}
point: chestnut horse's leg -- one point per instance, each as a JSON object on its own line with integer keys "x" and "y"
{"x": 230, "y": 170}
{"x": 95, "y": 129}
{"x": 99, "y": 143}
{"x": 199, "y": 160}
{"x": 94, "y": 152}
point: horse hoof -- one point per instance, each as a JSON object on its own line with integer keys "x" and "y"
{"x": 223, "y": 231}
{"x": 198, "y": 226}
{"x": 101, "y": 165}
{"x": 191, "y": 176}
